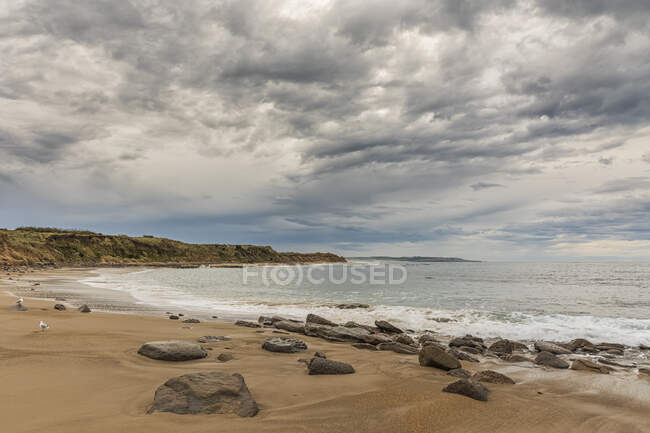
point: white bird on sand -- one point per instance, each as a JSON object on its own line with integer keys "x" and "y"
{"x": 19, "y": 301}
{"x": 44, "y": 326}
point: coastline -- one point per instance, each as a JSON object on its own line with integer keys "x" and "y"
{"x": 84, "y": 374}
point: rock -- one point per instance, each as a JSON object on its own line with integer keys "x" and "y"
{"x": 59, "y": 307}
{"x": 461, "y": 355}
{"x": 550, "y": 360}
{"x": 405, "y": 339}
{"x": 339, "y": 333}
{"x": 224, "y": 357}
{"x": 290, "y": 326}
{"x": 212, "y": 339}
{"x": 259, "y": 332}
{"x": 84, "y": 309}
{"x": 585, "y": 364}
{"x": 208, "y": 392}
{"x": 191, "y": 321}
{"x": 173, "y": 317}
{"x": 215, "y": 317}
{"x": 247, "y": 324}
{"x": 644, "y": 370}
{"x": 398, "y": 348}
{"x": 377, "y": 339}
{"x": 264, "y": 320}
{"x": 327, "y": 366}
{"x": 472, "y": 350}
{"x": 441, "y": 319}
{"x": 174, "y": 350}
{"x": 313, "y": 318}
{"x": 320, "y": 355}
{"x": 579, "y": 343}
{"x": 468, "y": 388}
{"x": 352, "y": 306}
{"x": 517, "y": 358}
{"x": 521, "y": 347}
{"x": 467, "y": 342}
{"x": 18, "y": 307}
{"x": 371, "y": 329}
{"x": 460, "y": 373}
{"x": 364, "y": 346}
{"x": 643, "y": 347}
{"x": 275, "y": 331}
{"x": 425, "y": 338}
{"x": 387, "y": 327}
{"x": 284, "y": 345}
{"x": 615, "y": 352}
{"x": 433, "y": 356}
{"x": 502, "y": 347}
{"x": 545, "y": 346}
{"x": 615, "y": 363}
{"x": 492, "y": 376}
{"x": 180, "y": 314}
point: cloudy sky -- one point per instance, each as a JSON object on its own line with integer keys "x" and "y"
{"x": 493, "y": 130}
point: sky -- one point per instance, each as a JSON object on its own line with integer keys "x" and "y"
{"x": 500, "y": 130}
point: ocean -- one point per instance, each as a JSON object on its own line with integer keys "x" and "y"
{"x": 522, "y": 301}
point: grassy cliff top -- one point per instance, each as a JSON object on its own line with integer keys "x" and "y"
{"x": 51, "y": 246}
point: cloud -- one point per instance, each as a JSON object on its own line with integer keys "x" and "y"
{"x": 484, "y": 185}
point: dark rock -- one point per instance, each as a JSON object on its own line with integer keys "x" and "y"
{"x": 615, "y": 363}
{"x": 59, "y": 307}
{"x": 517, "y": 358}
{"x": 180, "y": 314}
{"x": 579, "y": 343}
{"x": 84, "y": 309}
{"x": 191, "y": 321}
{"x": 461, "y": 355}
{"x": 173, "y": 317}
{"x": 352, "y": 306}
{"x": 212, "y": 339}
{"x": 290, "y": 326}
{"x": 460, "y": 373}
{"x": 339, "y": 333}
{"x": 643, "y": 347}
{"x": 586, "y": 365}
{"x": 387, "y": 327}
{"x": 405, "y": 339}
{"x": 615, "y": 352}
{"x": 521, "y": 347}
{"x": 313, "y": 318}
{"x": 545, "y": 346}
{"x": 550, "y": 360}
{"x": 492, "y": 376}
{"x": 398, "y": 348}
{"x": 424, "y": 338}
{"x": 644, "y": 370}
{"x": 225, "y": 357}
{"x": 502, "y": 347}
{"x": 467, "y": 342}
{"x": 433, "y": 356}
{"x": 284, "y": 345}
{"x": 174, "y": 350}
{"x": 364, "y": 346}
{"x": 208, "y": 392}
{"x": 247, "y": 324}
{"x": 472, "y": 350}
{"x": 327, "y": 366}
{"x": 469, "y": 389}
{"x": 280, "y": 332}
{"x": 215, "y": 317}
{"x": 264, "y": 320}
{"x": 371, "y": 329}
{"x": 377, "y": 339}
{"x": 320, "y": 355}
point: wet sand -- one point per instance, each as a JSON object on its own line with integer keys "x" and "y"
{"x": 84, "y": 375}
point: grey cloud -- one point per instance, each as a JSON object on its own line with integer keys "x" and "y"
{"x": 485, "y": 185}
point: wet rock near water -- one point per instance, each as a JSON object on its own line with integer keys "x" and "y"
{"x": 84, "y": 309}
{"x": 544, "y": 346}
{"x": 434, "y": 356}
{"x": 468, "y": 388}
{"x": 173, "y": 317}
{"x": 174, "y": 350}
{"x": 616, "y": 363}
{"x": 587, "y": 365}
{"x": 247, "y": 324}
{"x": 492, "y": 376}
{"x": 284, "y": 345}
{"x": 427, "y": 338}
{"x": 318, "y": 320}
{"x": 405, "y": 339}
{"x": 550, "y": 360}
{"x": 463, "y": 356}
{"x": 328, "y": 366}
{"x": 468, "y": 341}
{"x": 388, "y": 327}
{"x": 460, "y": 373}
{"x": 517, "y": 358}
{"x": 297, "y": 327}
{"x": 205, "y": 393}
{"x": 59, "y": 307}
{"x": 399, "y": 348}
{"x": 502, "y": 347}
{"x": 351, "y": 306}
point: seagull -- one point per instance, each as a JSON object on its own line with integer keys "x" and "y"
{"x": 44, "y": 326}
{"x": 20, "y": 301}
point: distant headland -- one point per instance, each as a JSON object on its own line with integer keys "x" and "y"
{"x": 418, "y": 259}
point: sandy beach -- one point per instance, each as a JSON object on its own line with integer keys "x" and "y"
{"x": 84, "y": 374}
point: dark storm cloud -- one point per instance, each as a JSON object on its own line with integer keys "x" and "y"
{"x": 365, "y": 111}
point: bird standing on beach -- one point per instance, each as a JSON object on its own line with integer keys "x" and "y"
{"x": 44, "y": 326}
{"x": 19, "y": 301}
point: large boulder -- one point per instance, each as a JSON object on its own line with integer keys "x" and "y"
{"x": 586, "y": 365}
{"x": 545, "y": 346}
{"x": 468, "y": 388}
{"x": 434, "y": 356}
{"x": 174, "y": 350}
{"x": 318, "y": 320}
{"x": 550, "y": 360}
{"x": 398, "y": 348}
{"x": 290, "y": 326}
{"x": 208, "y": 392}
{"x": 492, "y": 376}
{"x": 328, "y": 366}
{"x": 388, "y": 327}
{"x": 502, "y": 347}
{"x": 284, "y": 345}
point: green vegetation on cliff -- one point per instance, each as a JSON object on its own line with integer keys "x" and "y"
{"x": 36, "y": 245}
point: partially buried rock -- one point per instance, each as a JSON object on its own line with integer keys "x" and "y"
{"x": 84, "y": 309}
{"x": 424, "y": 339}
{"x": 247, "y": 324}
{"x": 545, "y": 346}
{"x": 208, "y": 392}
{"x": 212, "y": 339}
{"x": 284, "y": 345}
{"x": 224, "y": 357}
{"x": 517, "y": 358}
{"x": 434, "y": 356}
{"x": 191, "y": 321}
{"x": 388, "y": 327}
{"x": 320, "y": 355}
{"x": 59, "y": 307}
{"x": 460, "y": 373}
{"x": 173, "y": 317}
{"x": 579, "y": 343}
{"x": 586, "y": 365}
{"x": 398, "y": 348}
{"x": 502, "y": 347}
{"x": 174, "y": 350}
{"x": 327, "y": 366}
{"x": 469, "y": 389}
{"x": 405, "y": 339}
{"x": 313, "y": 318}
{"x": 492, "y": 376}
{"x": 364, "y": 346}
{"x": 550, "y": 360}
